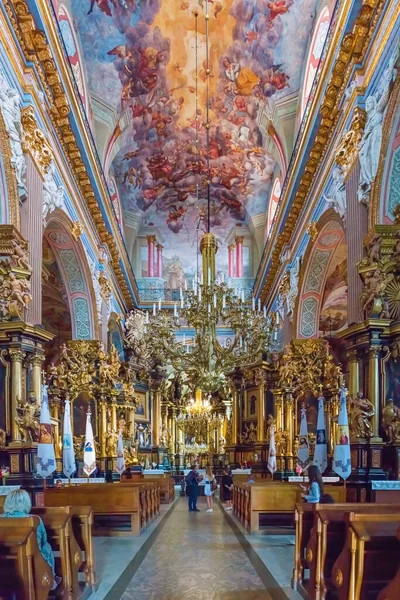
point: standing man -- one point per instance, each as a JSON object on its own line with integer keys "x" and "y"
{"x": 192, "y": 484}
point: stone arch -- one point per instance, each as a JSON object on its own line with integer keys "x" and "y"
{"x": 324, "y": 261}
{"x": 115, "y": 334}
{"x": 9, "y": 201}
{"x": 386, "y": 188}
{"x": 72, "y": 264}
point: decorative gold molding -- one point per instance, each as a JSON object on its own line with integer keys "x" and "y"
{"x": 37, "y": 50}
{"x": 347, "y": 152}
{"x": 352, "y": 50}
{"x": 34, "y": 142}
{"x": 11, "y": 180}
{"x": 76, "y": 230}
{"x": 312, "y": 231}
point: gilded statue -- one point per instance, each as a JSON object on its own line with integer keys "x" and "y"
{"x": 281, "y": 441}
{"x": 391, "y": 422}
{"x": 147, "y": 435}
{"x": 28, "y": 419}
{"x": 78, "y": 446}
{"x": 271, "y": 424}
{"x": 123, "y": 426}
{"x": 375, "y": 284}
{"x": 111, "y": 443}
{"x": 20, "y": 255}
{"x": 222, "y": 444}
{"x": 374, "y": 249}
{"x": 130, "y": 455}
{"x": 2, "y": 439}
{"x": 361, "y": 412}
{"x": 164, "y": 438}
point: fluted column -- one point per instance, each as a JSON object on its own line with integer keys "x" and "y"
{"x": 356, "y": 230}
{"x": 156, "y": 416}
{"x": 114, "y": 417}
{"x": 289, "y": 406}
{"x": 17, "y": 357}
{"x": 373, "y": 387}
{"x": 103, "y": 421}
{"x": 32, "y": 230}
{"x": 235, "y": 416}
{"x": 239, "y": 256}
{"x": 261, "y": 414}
{"x": 151, "y": 239}
{"x": 279, "y": 409}
{"x": 37, "y": 362}
{"x": 354, "y": 373}
{"x": 231, "y": 260}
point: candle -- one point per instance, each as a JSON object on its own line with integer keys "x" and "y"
{"x": 209, "y": 276}
{"x": 180, "y": 293}
{"x": 253, "y": 303}
{"x": 159, "y": 304}
{"x": 222, "y": 277}
{"x": 154, "y": 309}
{"x": 242, "y": 295}
{"x": 187, "y": 349}
{"x": 147, "y": 317}
{"x": 265, "y": 312}
{"x": 199, "y": 294}
{"x": 175, "y": 311}
{"x": 215, "y": 300}
{"x": 259, "y": 304}
{"x": 201, "y": 277}
{"x": 275, "y": 336}
{"x": 209, "y": 309}
{"x": 193, "y": 285}
{"x": 223, "y": 302}
{"x": 185, "y": 285}
{"x": 182, "y": 302}
{"x": 277, "y": 317}
{"x": 184, "y": 339}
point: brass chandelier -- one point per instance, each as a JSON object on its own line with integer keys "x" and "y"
{"x": 197, "y": 420}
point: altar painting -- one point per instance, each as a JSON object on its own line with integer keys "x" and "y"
{"x": 391, "y": 379}
{"x": 81, "y": 405}
{"x": 142, "y": 410}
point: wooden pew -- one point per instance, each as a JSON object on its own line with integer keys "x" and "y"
{"x": 304, "y": 516}
{"x": 326, "y": 542}
{"x": 369, "y": 559}
{"x": 119, "y": 509}
{"x": 253, "y": 500}
{"x": 24, "y": 573}
{"x": 392, "y": 590}
{"x": 82, "y": 526}
{"x": 60, "y": 537}
{"x": 167, "y": 486}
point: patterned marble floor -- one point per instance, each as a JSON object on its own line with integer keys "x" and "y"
{"x": 196, "y": 556}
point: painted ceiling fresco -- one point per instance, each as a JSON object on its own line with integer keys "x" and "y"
{"x": 140, "y": 59}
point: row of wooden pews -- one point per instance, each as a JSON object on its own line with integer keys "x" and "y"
{"x": 347, "y": 551}
{"x": 119, "y": 509}
{"x": 254, "y": 501}
{"x": 24, "y": 574}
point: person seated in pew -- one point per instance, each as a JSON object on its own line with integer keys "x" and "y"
{"x": 326, "y": 499}
{"x": 18, "y": 504}
{"x": 316, "y": 488}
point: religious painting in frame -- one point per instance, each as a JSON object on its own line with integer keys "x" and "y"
{"x": 81, "y": 404}
{"x": 142, "y": 410}
{"x": 251, "y": 401}
{"x": 311, "y": 405}
{"x": 390, "y": 370}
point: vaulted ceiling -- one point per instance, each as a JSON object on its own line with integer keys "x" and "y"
{"x": 138, "y": 68}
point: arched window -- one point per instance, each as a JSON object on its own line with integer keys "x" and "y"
{"x": 314, "y": 55}
{"x": 273, "y": 203}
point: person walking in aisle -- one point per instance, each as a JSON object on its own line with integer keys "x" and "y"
{"x": 192, "y": 485}
{"x": 210, "y": 485}
{"x": 227, "y": 484}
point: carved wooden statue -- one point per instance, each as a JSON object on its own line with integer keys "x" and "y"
{"x": 391, "y": 422}
{"x": 361, "y": 413}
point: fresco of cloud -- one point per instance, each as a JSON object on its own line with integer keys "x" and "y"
{"x": 161, "y": 170}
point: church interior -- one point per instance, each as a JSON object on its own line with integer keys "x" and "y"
{"x": 200, "y": 299}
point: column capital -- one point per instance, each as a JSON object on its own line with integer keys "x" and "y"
{"x": 373, "y": 351}
{"x": 151, "y": 239}
{"x": 35, "y": 142}
{"x": 352, "y": 356}
{"x": 16, "y": 354}
{"x": 239, "y": 239}
{"x": 231, "y": 247}
{"x": 159, "y": 247}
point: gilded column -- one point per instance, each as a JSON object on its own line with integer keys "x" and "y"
{"x": 261, "y": 411}
{"x": 114, "y": 417}
{"x": 156, "y": 416}
{"x": 235, "y": 417}
{"x": 354, "y": 373}
{"x": 278, "y": 395}
{"x": 173, "y": 429}
{"x": 37, "y": 362}
{"x": 289, "y": 407}
{"x": 17, "y": 357}
{"x": 373, "y": 387}
{"x": 103, "y": 421}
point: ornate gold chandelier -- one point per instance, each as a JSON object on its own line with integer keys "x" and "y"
{"x": 197, "y": 419}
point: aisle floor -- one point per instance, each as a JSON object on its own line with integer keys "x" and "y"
{"x": 189, "y": 556}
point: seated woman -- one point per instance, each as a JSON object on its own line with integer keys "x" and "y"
{"x": 18, "y": 504}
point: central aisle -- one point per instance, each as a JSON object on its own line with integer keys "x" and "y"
{"x": 196, "y": 556}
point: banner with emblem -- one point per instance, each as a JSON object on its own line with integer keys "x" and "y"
{"x": 46, "y": 460}
{"x": 89, "y": 452}
{"x": 69, "y": 465}
{"x": 271, "y": 465}
{"x": 342, "y": 457}
{"x": 321, "y": 448}
{"x": 120, "y": 454}
{"x": 303, "y": 453}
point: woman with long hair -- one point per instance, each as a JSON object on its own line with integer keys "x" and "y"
{"x": 209, "y": 488}
{"x": 316, "y": 488}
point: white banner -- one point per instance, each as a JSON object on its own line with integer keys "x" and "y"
{"x": 89, "y": 452}
{"x": 303, "y": 453}
{"x": 69, "y": 465}
{"x": 321, "y": 448}
{"x": 342, "y": 458}
{"x": 120, "y": 454}
{"x": 271, "y": 465}
{"x": 46, "y": 460}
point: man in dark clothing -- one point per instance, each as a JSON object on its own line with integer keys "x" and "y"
{"x": 192, "y": 484}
